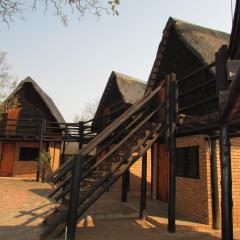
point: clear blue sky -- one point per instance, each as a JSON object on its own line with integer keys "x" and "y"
{"x": 72, "y": 64}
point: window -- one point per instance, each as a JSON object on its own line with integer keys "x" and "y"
{"x": 28, "y": 154}
{"x": 188, "y": 162}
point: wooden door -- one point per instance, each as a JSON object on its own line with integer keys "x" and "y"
{"x": 7, "y": 159}
{"x": 162, "y": 173}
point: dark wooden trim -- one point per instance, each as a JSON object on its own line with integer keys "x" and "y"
{"x": 214, "y": 184}
{"x": 226, "y": 203}
{"x": 221, "y": 74}
{"x": 232, "y": 105}
{"x": 74, "y": 199}
{"x": 41, "y": 133}
{"x": 125, "y": 184}
{"x": 143, "y": 197}
{"x": 172, "y": 156}
{"x": 197, "y": 71}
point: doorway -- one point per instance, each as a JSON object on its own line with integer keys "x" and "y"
{"x": 162, "y": 173}
{"x": 7, "y": 159}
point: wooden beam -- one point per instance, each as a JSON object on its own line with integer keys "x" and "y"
{"x": 121, "y": 119}
{"x": 143, "y": 187}
{"x": 214, "y": 184}
{"x": 221, "y": 73}
{"x": 232, "y": 106}
{"x": 118, "y": 122}
{"x": 41, "y": 133}
{"x": 225, "y": 154}
{"x": 81, "y": 133}
{"x": 125, "y": 185}
{"x": 74, "y": 199}
{"x": 172, "y": 156}
{"x": 197, "y": 71}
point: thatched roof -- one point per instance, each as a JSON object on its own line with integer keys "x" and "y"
{"x": 46, "y": 99}
{"x": 127, "y": 88}
{"x": 130, "y": 88}
{"x": 202, "y": 42}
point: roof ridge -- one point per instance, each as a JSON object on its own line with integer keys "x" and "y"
{"x": 177, "y": 20}
{"x": 45, "y": 97}
{"x": 124, "y": 76}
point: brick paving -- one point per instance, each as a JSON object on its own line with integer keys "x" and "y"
{"x": 24, "y": 203}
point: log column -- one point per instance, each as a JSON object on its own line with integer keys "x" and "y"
{"x": 143, "y": 186}
{"x": 172, "y": 154}
{"x": 125, "y": 185}
{"x": 227, "y": 223}
{"x": 74, "y": 199}
{"x": 214, "y": 184}
{"x": 41, "y": 135}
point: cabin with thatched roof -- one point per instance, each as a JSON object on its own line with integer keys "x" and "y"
{"x": 189, "y": 51}
{"x": 22, "y": 115}
{"x": 120, "y": 93}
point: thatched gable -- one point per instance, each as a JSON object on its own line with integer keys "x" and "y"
{"x": 121, "y": 89}
{"x": 202, "y": 42}
{"x": 44, "y": 97}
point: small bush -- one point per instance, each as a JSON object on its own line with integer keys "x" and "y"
{"x": 45, "y": 164}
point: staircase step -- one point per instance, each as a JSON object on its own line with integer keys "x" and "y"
{"x": 106, "y": 166}
{"x": 98, "y": 174}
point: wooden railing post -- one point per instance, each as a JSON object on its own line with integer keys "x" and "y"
{"x": 143, "y": 187}
{"x": 125, "y": 185}
{"x": 63, "y": 153}
{"x": 225, "y": 154}
{"x": 172, "y": 154}
{"x": 74, "y": 199}
{"x": 81, "y": 132}
{"x": 41, "y": 136}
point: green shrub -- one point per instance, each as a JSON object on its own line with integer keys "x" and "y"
{"x": 45, "y": 164}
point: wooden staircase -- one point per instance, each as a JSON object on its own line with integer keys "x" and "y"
{"x": 83, "y": 179}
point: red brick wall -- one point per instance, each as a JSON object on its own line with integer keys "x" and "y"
{"x": 235, "y": 164}
{"x": 27, "y": 169}
{"x": 235, "y": 161}
{"x": 135, "y": 176}
{"x": 193, "y": 196}
{"x": 24, "y": 169}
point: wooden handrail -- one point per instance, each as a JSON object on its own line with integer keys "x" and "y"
{"x": 113, "y": 126}
{"x": 120, "y": 120}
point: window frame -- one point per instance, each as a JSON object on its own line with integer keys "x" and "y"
{"x": 186, "y": 167}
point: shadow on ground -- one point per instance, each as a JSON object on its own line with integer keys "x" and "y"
{"x": 132, "y": 229}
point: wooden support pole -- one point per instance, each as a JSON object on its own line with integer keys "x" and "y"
{"x": 172, "y": 155}
{"x": 74, "y": 199}
{"x": 125, "y": 185}
{"x": 143, "y": 187}
{"x": 81, "y": 132}
{"x": 214, "y": 185}
{"x": 63, "y": 153}
{"x": 41, "y": 133}
{"x": 221, "y": 73}
{"x": 225, "y": 154}
{"x": 152, "y": 170}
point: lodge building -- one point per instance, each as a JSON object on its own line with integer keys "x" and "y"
{"x": 22, "y": 114}
{"x": 137, "y": 132}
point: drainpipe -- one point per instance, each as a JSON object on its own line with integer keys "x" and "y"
{"x": 214, "y": 182}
